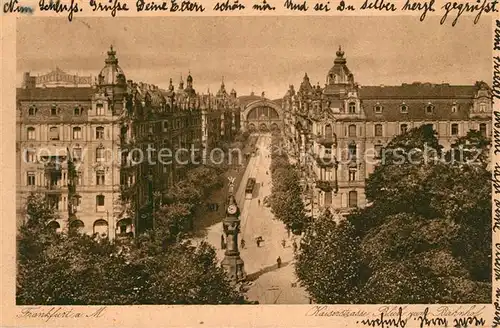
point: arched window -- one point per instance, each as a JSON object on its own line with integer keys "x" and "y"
{"x": 77, "y": 225}
{"x": 404, "y": 128}
{"x": 101, "y": 228}
{"x": 352, "y": 108}
{"x": 31, "y": 133}
{"x": 353, "y": 198}
{"x": 378, "y": 130}
{"x": 77, "y": 133}
{"x": 99, "y": 132}
{"x": 352, "y": 130}
{"x": 54, "y": 226}
{"x": 54, "y": 133}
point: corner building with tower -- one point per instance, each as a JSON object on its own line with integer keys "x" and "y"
{"x": 94, "y": 124}
{"x": 336, "y": 132}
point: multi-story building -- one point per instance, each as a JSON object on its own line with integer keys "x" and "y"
{"x": 338, "y": 131}
{"x": 102, "y": 127}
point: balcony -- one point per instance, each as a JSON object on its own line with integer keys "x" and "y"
{"x": 326, "y": 160}
{"x": 326, "y": 141}
{"x": 326, "y": 185}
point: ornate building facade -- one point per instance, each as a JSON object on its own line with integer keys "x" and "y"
{"x": 105, "y": 128}
{"x": 337, "y": 132}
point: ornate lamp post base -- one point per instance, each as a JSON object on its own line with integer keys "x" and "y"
{"x": 235, "y": 268}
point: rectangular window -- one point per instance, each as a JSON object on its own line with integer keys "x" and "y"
{"x": 454, "y": 129}
{"x": 328, "y": 198}
{"x": 352, "y": 130}
{"x": 482, "y": 129}
{"x": 77, "y": 133}
{"x": 30, "y": 156}
{"x": 31, "y": 133}
{"x": 352, "y": 175}
{"x": 31, "y": 178}
{"x": 353, "y": 199}
{"x": 378, "y": 151}
{"x": 77, "y": 154}
{"x": 99, "y": 200}
{"x": 53, "y": 110}
{"x": 100, "y": 178}
{"x": 99, "y": 132}
{"x": 99, "y": 110}
{"x": 378, "y": 130}
{"x": 99, "y": 154}
{"x": 54, "y": 133}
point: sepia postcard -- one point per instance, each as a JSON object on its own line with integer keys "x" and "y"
{"x": 250, "y": 163}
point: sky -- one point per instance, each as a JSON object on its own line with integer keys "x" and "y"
{"x": 259, "y": 53}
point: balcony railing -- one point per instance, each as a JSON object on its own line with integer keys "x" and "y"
{"x": 327, "y": 185}
{"x": 326, "y": 141}
{"x": 326, "y": 160}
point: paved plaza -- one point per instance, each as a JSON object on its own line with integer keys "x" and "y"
{"x": 268, "y": 284}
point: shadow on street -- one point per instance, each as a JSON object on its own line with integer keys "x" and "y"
{"x": 254, "y": 276}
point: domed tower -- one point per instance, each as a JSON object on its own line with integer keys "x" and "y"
{"x": 189, "y": 86}
{"x": 339, "y": 73}
{"x": 112, "y": 81}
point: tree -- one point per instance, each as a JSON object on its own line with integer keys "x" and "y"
{"x": 75, "y": 269}
{"x": 328, "y": 263}
{"x": 173, "y": 219}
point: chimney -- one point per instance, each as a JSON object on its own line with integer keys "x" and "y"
{"x": 29, "y": 82}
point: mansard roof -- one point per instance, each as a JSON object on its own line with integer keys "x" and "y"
{"x": 418, "y": 91}
{"x": 416, "y": 110}
{"x": 55, "y": 94}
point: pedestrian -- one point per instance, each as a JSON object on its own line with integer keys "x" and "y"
{"x": 242, "y": 243}
{"x": 283, "y": 243}
{"x": 288, "y": 231}
{"x": 278, "y": 261}
{"x": 222, "y": 242}
{"x": 294, "y": 246}
{"x": 259, "y": 201}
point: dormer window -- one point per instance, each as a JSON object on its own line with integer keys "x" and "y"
{"x": 378, "y": 109}
{"x": 429, "y": 109}
{"x": 404, "y": 108}
{"x": 32, "y": 111}
{"x": 482, "y": 107}
{"x": 53, "y": 110}
{"x": 454, "y": 107}
{"x": 77, "y": 111}
{"x": 352, "y": 108}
